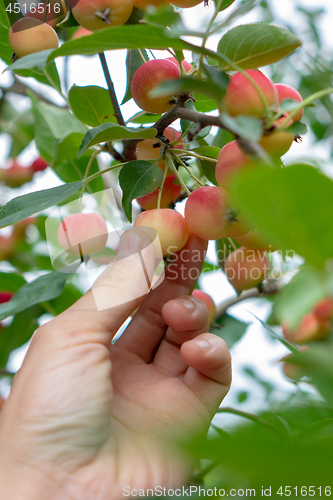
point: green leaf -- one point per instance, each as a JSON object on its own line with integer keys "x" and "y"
{"x": 190, "y": 127}
{"x": 225, "y": 4}
{"x": 255, "y": 45}
{"x": 208, "y": 167}
{"x": 67, "y": 148}
{"x": 188, "y": 85}
{"x": 10, "y": 282}
{"x": 231, "y": 329}
{"x": 91, "y": 105}
{"x": 30, "y": 204}
{"x": 291, "y": 206}
{"x": 133, "y": 62}
{"x": 299, "y": 296}
{"x": 37, "y": 60}
{"x": 44, "y": 288}
{"x": 51, "y": 124}
{"x": 112, "y": 132}
{"x": 122, "y": 37}
{"x": 248, "y": 127}
{"x": 164, "y": 16}
{"x": 74, "y": 169}
{"x": 7, "y": 10}
{"x": 136, "y": 179}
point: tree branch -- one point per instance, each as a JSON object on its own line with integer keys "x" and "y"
{"x": 21, "y": 88}
{"x": 114, "y": 100}
{"x": 247, "y": 294}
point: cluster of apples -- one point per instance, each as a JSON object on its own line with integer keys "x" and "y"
{"x": 17, "y": 175}
{"x": 92, "y": 15}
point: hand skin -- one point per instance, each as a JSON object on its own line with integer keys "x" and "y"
{"x": 86, "y": 418}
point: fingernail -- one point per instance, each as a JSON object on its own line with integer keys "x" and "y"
{"x": 130, "y": 244}
{"x": 203, "y": 344}
{"x": 188, "y": 303}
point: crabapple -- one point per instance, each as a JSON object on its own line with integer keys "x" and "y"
{"x": 246, "y": 268}
{"x": 253, "y": 240}
{"x": 50, "y": 12}
{"x": 170, "y": 226}
{"x": 16, "y": 175}
{"x": 292, "y": 371}
{"x": 5, "y": 297}
{"x": 39, "y": 165}
{"x": 83, "y": 234}
{"x": 2, "y": 401}
{"x": 7, "y": 246}
{"x": 324, "y": 308}
{"x": 230, "y": 161}
{"x": 146, "y": 78}
{"x": 29, "y": 35}
{"x": 286, "y": 92}
{"x": 146, "y": 151}
{"x": 170, "y": 193}
{"x": 276, "y": 144}
{"x": 207, "y": 299}
{"x": 20, "y": 227}
{"x": 185, "y": 4}
{"x": 80, "y": 32}
{"x": 98, "y": 14}
{"x": 240, "y": 228}
{"x": 207, "y": 213}
{"x": 310, "y": 328}
{"x": 242, "y": 97}
{"x": 186, "y": 65}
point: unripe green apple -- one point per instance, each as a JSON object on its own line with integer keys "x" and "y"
{"x": 242, "y": 97}
{"x": 98, "y": 14}
{"x": 246, "y": 268}
{"x": 146, "y": 78}
{"x": 29, "y": 35}
{"x": 207, "y": 299}
{"x": 170, "y": 226}
{"x": 231, "y": 161}
{"x": 83, "y": 234}
{"x": 185, "y": 4}
{"x": 310, "y": 328}
{"x": 146, "y": 151}
{"x": 207, "y": 213}
{"x": 170, "y": 193}
{"x": 277, "y": 143}
{"x": 286, "y": 92}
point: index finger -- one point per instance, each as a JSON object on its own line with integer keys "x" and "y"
{"x": 147, "y": 329}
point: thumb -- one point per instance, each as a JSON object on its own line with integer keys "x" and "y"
{"x": 121, "y": 288}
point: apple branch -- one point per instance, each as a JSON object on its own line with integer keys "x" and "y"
{"x": 113, "y": 97}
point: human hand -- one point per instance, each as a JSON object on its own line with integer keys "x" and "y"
{"x": 86, "y": 418}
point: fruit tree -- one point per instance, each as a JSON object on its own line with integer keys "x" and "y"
{"x": 220, "y": 143}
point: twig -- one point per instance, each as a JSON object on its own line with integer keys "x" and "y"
{"x": 247, "y": 294}
{"x": 254, "y": 418}
{"x": 113, "y": 97}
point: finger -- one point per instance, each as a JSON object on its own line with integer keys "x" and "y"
{"x": 146, "y": 331}
{"x": 122, "y": 286}
{"x": 187, "y": 318}
{"x": 209, "y": 372}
